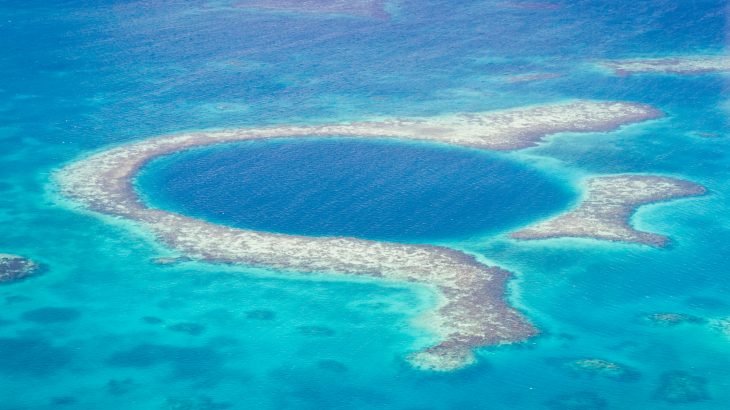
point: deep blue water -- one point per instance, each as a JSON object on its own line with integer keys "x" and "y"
{"x": 375, "y": 190}
{"x": 104, "y": 328}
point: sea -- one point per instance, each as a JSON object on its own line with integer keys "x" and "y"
{"x": 104, "y": 327}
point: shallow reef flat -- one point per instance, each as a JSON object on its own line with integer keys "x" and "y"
{"x": 472, "y": 310}
{"x": 514, "y": 128}
{"x": 686, "y": 65}
{"x": 667, "y": 319}
{"x": 609, "y": 203}
{"x": 598, "y": 367}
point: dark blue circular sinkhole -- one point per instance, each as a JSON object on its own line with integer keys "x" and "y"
{"x": 375, "y": 189}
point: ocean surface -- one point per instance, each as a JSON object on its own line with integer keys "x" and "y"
{"x": 106, "y": 328}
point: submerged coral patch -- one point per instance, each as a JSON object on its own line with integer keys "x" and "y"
{"x": 597, "y": 367}
{"x": 33, "y": 356}
{"x": 49, "y": 315}
{"x": 682, "y": 387}
{"x": 331, "y": 365}
{"x": 667, "y": 319}
{"x": 186, "y": 362}
{"x": 15, "y": 267}
{"x": 119, "y": 387}
{"x": 63, "y": 401}
{"x": 195, "y": 403}
{"x": 261, "y": 314}
{"x": 578, "y": 401}
{"x": 152, "y": 320}
{"x": 192, "y": 329}
{"x": 313, "y": 330}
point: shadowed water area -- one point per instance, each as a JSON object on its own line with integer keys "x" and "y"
{"x": 369, "y": 189}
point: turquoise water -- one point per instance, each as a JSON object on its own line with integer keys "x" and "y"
{"x": 371, "y": 189}
{"x": 104, "y": 328}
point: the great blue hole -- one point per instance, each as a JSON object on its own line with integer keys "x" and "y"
{"x": 374, "y": 189}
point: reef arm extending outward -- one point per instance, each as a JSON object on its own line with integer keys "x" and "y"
{"x": 608, "y": 206}
{"x": 472, "y": 312}
{"x": 682, "y": 65}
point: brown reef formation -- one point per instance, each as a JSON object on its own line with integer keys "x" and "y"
{"x": 687, "y": 65}
{"x": 667, "y": 319}
{"x": 14, "y": 268}
{"x": 609, "y": 203}
{"x": 472, "y": 310}
{"x": 601, "y": 367}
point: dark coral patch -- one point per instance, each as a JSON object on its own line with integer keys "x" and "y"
{"x": 119, "y": 387}
{"x": 63, "y": 401}
{"x": 316, "y": 331}
{"x": 196, "y": 403}
{"x": 12, "y": 299}
{"x": 152, "y": 320}
{"x": 49, "y": 315}
{"x": 592, "y": 367}
{"x": 332, "y": 366}
{"x": 31, "y": 356}
{"x": 260, "y": 314}
{"x": 578, "y": 401}
{"x": 193, "y": 329}
{"x": 187, "y": 362}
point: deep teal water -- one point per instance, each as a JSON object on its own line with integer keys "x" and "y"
{"x": 372, "y": 189}
{"x": 104, "y": 328}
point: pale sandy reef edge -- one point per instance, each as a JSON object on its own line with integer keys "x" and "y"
{"x": 473, "y": 311}
{"x": 610, "y": 201}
